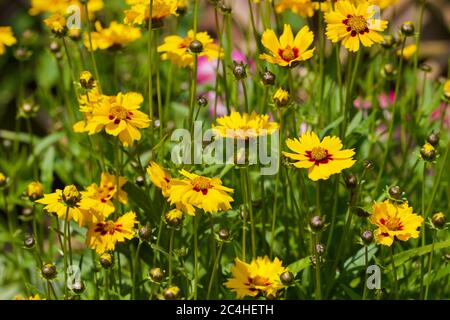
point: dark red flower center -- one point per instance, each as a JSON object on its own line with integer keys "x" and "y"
{"x": 318, "y": 155}
{"x": 288, "y": 54}
{"x": 107, "y": 227}
{"x": 356, "y": 24}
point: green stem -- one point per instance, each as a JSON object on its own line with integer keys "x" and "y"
{"x": 349, "y": 94}
{"x": 150, "y": 65}
{"x": 250, "y": 210}
{"x": 316, "y": 253}
{"x": 366, "y": 263}
{"x": 193, "y": 94}
{"x": 172, "y": 230}
{"x": 158, "y": 93}
{"x": 394, "y": 112}
{"x": 244, "y": 89}
{"x": 65, "y": 254}
{"x": 214, "y": 271}
{"x": 135, "y": 270}
{"x": 277, "y": 182}
{"x": 394, "y": 270}
{"x": 429, "y": 266}
{"x": 196, "y": 264}
{"x": 91, "y": 51}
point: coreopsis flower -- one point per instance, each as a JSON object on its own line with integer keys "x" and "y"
{"x": 35, "y": 190}
{"x": 97, "y": 199}
{"x": 354, "y": 24}
{"x": 245, "y": 126}
{"x": 428, "y": 152}
{"x": 287, "y": 51}
{"x": 64, "y": 201}
{"x": 3, "y": 180}
{"x": 174, "y": 217}
{"x": 281, "y": 97}
{"x": 87, "y": 80}
{"x": 303, "y": 8}
{"x": 176, "y": 49}
{"x": 57, "y": 24}
{"x": 139, "y": 13}
{"x": 200, "y": 192}
{"x": 61, "y": 6}
{"x": 447, "y": 88}
{"x": 394, "y": 221}
{"x": 116, "y": 35}
{"x": 160, "y": 177}
{"x": 408, "y": 51}
{"x": 119, "y": 116}
{"x": 261, "y": 276}
{"x": 321, "y": 158}
{"x": 104, "y": 235}
{"x": 6, "y": 38}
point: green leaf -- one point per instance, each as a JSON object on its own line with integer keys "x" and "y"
{"x": 299, "y": 265}
{"x": 47, "y": 167}
{"x": 358, "y": 260}
{"x": 138, "y": 196}
{"x": 354, "y": 123}
{"x": 352, "y": 294}
{"x": 331, "y": 126}
{"x": 402, "y": 257}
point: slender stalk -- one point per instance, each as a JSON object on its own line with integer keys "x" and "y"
{"x": 214, "y": 270}
{"x": 394, "y": 270}
{"x": 252, "y": 21}
{"x": 250, "y": 210}
{"x": 394, "y": 111}
{"x": 135, "y": 270}
{"x": 66, "y": 253}
{"x": 277, "y": 182}
{"x": 196, "y": 264}
{"x": 349, "y": 94}
{"x": 316, "y": 254}
{"x": 321, "y": 64}
{"x": 150, "y": 64}
{"x": 91, "y": 51}
{"x": 172, "y": 231}
{"x": 193, "y": 86}
{"x": 429, "y": 266}
{"x": 244, "y": 89}
{"x": 366, "y": 263}
{"x": 158, "y": 93}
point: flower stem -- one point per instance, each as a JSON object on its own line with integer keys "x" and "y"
{"x": 172, "y": 231}
{"x": 429, "y": 266}
{"x": 196, "y": 265}
{"x": 366, "y": 263}
{"x": 214, "y": 271}
{"x": 244, "y": 89}
{"x": 193, "y": 94}
{"x": 394, "y": 111}
{"x": 250, "y": 210}
{"x": 394, "y": 271}
{"x": 135, "y": 270}
{"x": 316, "y": 253}
{"x": 65, "y": 249}
{"x": 277, "y": 182}
{"x": 91, "y": 51}
{"x": 150, "y": 65}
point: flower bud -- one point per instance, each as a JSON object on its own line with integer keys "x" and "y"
{"x": 316, "y": 223}
{"x": 224, "y": 234}
{"x": 196, "y": 46}
{"x": 171, "y": 293}
{"x": 87, "y": 80}
{"x": 428, "y": 152}
{"x": 202, "y": 101}
{"x": 320, "y": 249}
{"x": 367, "y": 237}
{"x": 368, "y": 165}
{"x": 48, "y": 271}
{"x": 29, "y": 242}
{"x": 35, "y": 190}
{"x": 395, "y": 192}
{"x": 433, "y": 139}
{"x": 106, "y": 260}
{"x": 145, "y": 233}
{"x": 425, "y": 67}
{"x": 438, "y": 220}
{"x": 71, "y": 195}
{"x": 287, "y": 278}
{"x": 281, "y": 98}
{"x": 78, "y": 287}
{"x": 388, "y": 69}
{"x": 27, "y": 212}
{"x": 239, "y": 71}
{"x": 156, "y": 274}
{"x": 360, "y": 212}
{"x": 140, "y": 180}
{"x": 351, "y": 181}
{"x": 224, "y": 8}
{"x": 388, "y": 41}
{"x": 268, "y": 78}
{"x": 407, "y": 29}
{"x": 54, "y": 46}
{"x": 174, "y": 217}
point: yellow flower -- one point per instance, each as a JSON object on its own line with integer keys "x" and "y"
{"x": 116, "y": 35}
{"x": 35, "y": 297}
{"x": 60, "y": 6}
{"x": 261, "y": 276}
{"x": 6, "y": 38}
{"x": 97, "y": 199}
{"x": 176, "y": 48}
{"x": 447, "y": 88}
{"x": 408, "y": 51}
{"x": 321, "y": 158}
{"x": 140, "y": 10}
{"x": 35, "y": 190}
{"x": 352, "y": 25}
{"x": 201, "y": 192}
{"x": 287, "y": 51}
{"x": 173, "y": 217}
{"x": 57, "y": 24}
{"x": 103, "y": 236}
{"x": 281, "y": 97}
{"x": 245, "y": 126}
{"x": 304, "y": 8}
{"x": 88, "y": 103}
{"x": 3, "y": 179}
{"x": 119, "y": 117}
{"x": 394, "y": 221}
{"x": 64, "y": 201}
{"x": 160, "y": 177}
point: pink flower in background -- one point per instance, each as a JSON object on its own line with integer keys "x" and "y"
{"x": 362, "y": 104}
{"x": 221, "y": 108}
{"x": 304, "y": 127}
{"x": 442, "y": 111}
{"x": 386, "y": 100}
{"x": 206, "y": 73}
